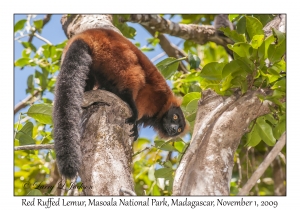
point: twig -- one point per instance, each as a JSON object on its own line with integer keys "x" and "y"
{"x": 73, "y": 182}
{"x": 282, "y": 157}
{"x": 24, "y": 102}
{"x": 170, "y": 49}
{"x": 34, "y": 147}
{"x": 238, "y": 162}
{"x": 20, "y": 37}
{"x": 264, "y": 165}
{"x": 45, "y": 21}
{"x": 42, "y": 38}
{"x": 63, "y": 189}
{"x": 158, "y": 56}
{"x": 140, "y": 151}
{"x": 17, "y": 128}
{"x": 129, "y": 192}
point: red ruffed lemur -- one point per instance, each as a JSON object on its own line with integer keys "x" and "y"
{"x": 104, "y": 59}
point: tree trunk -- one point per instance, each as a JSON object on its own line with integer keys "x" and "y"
{"x": 105, "y": 145}
{"x": 207, "y": 165}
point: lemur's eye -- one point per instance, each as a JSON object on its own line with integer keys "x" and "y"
{"x": 179, "y": 130}
{"x": 175, "y": 117}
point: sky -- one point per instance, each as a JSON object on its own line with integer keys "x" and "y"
{"x": 54, "y": 33}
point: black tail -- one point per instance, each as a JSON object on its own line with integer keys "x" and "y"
{"x": 69, "y": 91}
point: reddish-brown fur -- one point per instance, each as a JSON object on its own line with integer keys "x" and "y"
{"x": 121, "y": 61}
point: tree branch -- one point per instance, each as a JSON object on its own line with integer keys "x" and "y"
{"x": 42, "y": 38}
{"x": 169, "y": 48}
{"x": 200, "y": 34}
{"x": 45, "y": 21}
{"x": 264, "y": 165}
{"x": 105, "y": 144}
{"x": 25, "y": 101}
{"x": 34, "y": 147}
{"x": 75, "y": 24}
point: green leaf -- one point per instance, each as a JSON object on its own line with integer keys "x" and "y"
{"x": 261, "y": 51}
{"x": 29, "y": 45}
{"x": 231, "y": 17}
{"x": 151, "y": 173}
{"x": 38, "y": 24}
{"x": 194, "y": 60}
{"x": 246, "y": 64}
{"x": 191, "y": 117}
{"x": 22, "y": 62}
{"x": 42, "y": 79}
{"x": 233, "y": 34}
{"x": 41, "y": 112}
{"x": 168, "y": 164}
{"x": 25, "y": 134}
{"x": 280, "y": 127}
{"x": 253, "y": 138}
{"x": 276, "y": 52}
{"x": 212, "y": 71}
{"x": 213, "y": 84}
{"x": 280, "y": 85}
{"x": 192, "y": 106}
{"x": 264, "y": 19}
{"x": 241, "y": 25}
{"x": 147, "y": 49}
{"x": 163, "y": 173}
{"x": 226, "y": 84}
{"x": 230, "y": 68}
{"x": 265, "y": 131}
{"x": 26, "y": 53}
{"x": 61, "y": 45}
{"x": 168, "y": 67}
{"x": 268, "y": 41}
{"x": 138, "y": 44}
{"x": 35, "y": 192}
{"x": 19, "y": 25}
{"x": 241, "y": 48}
{"x": 279, "y": 36}
{"x": 52, "y": 50}
{"x": 179, "y": 145}
{"x": 189, "y": 97}
{"x": 128, "y": 31}
{"x": 190, "y": 46}
{"x": 153, "y": 41}
{"x": 256, "y": 41}
{"x": 254, "y": 27}
{"x": 241, "y": 82}
{"x": 30, "y": 84}
{"x": 164, "y": 146}
{"x": 280, "y": 65}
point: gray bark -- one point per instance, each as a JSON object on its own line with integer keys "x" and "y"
{"x": 206, "y": 167}
{"x": 105, "y": 145}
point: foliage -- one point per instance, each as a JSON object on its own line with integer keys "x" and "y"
{"x": 258, "y": 63}
{"x": 34, "y": 126}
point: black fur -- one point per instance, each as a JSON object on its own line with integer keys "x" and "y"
{"x": 164, "y": 124}
{"x": 71, "y": 85}
{"x": 169, "y": 125}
